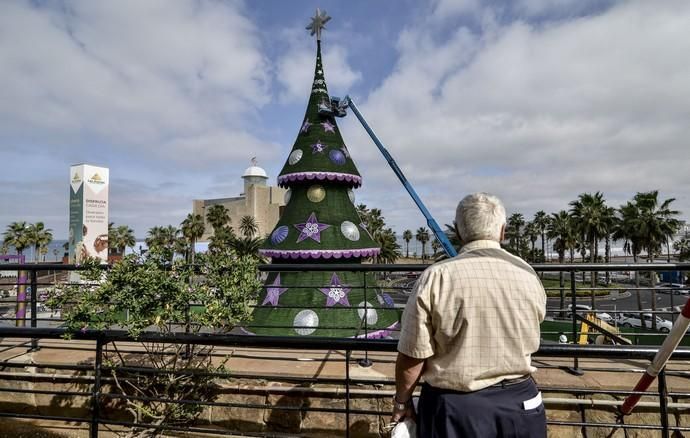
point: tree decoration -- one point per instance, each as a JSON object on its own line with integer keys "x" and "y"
{"x": 311, "y": 229}
{"x": 349, "y": 230}
{"x": 316, "y": 193}
{"x": 305, "y": 127}
{"x": 318, "y": 147}
{"x": 328, "y": 126}
{"x": 337, "y": 157}
{"x": 350, "y": 195}
{"x": 279, "y": 234}
{"x": 295, "y": 156}
{"x": 336, "y": 293}
{"x": 306, "y": 322}
{"x": 274, "y": 292}
{"x": 372, "y": 316}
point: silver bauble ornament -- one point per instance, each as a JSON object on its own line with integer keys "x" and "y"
{"x": 295, "y": 156}
{"x": 351, "y": 195}
{"x": 287, "y": 196}
{"x": 350, "y": 231}
{"x": 372, "y": 316}
{"x": 306, "y": 322}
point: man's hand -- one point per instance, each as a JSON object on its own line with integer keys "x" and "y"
{"x": 407, "y": 372}
{"x": 400, "y": 413}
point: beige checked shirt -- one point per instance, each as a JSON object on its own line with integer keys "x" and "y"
{"x": 474, "y": 318}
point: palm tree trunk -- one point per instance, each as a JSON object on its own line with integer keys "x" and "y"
{"x": 652, "y": 279}
{"x": 593, "y": 259}
{"x": 608, "y": 258}
{"x": 561, "y": 284}
{"x": 407, "y": 249}
{"x": 191, "y": 251}
{"x": 637, "y": 291}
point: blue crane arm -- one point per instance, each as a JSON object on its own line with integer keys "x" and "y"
{"x": 431, "y": 222}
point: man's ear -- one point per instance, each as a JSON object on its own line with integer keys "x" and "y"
{"x": 503, "y": 233}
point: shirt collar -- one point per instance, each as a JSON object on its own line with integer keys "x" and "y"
{"x": 479, "y": 244}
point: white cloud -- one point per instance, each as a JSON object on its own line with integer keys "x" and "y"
{"x": 295, "y": 68}
{"x": 537, "y": 113}
{"x": 134, "y": 73}
{"x": 156, "y": 90}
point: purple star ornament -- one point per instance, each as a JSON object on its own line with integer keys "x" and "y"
{"x": 305, "y": 126}
{"x": 328, "y": 126}
{"x": 274, "y": 292}
{"x": 336, "y": 293}
{"x": 311, "y": 229}
{"x": 318, "y": 147}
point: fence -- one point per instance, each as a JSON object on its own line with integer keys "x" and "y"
{"x": 96, "y": 376}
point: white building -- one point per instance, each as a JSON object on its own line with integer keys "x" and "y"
{"x": 259, "y": 200}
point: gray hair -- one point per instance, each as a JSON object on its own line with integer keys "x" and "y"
{"x": 480, "y": 216}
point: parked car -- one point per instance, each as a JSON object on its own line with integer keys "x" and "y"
{"x": 583, "y": 309}
{"x": 678, "y": 289}
{"x": 633, "y": 320}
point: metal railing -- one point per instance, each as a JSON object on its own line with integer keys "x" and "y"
{"x": 98, "y": 385}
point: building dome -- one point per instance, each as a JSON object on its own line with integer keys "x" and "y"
{"x": 254, "y": 171}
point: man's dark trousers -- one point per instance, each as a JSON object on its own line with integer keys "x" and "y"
{"x": 496, "y": 411}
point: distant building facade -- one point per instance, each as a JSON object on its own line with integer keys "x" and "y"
{"x": 259, "y": 200}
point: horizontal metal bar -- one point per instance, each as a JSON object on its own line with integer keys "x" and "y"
{"x": 319, "y": 343}
{"x": 354, "y": 267}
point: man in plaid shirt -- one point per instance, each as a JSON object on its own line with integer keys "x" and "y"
{"x": 469, "y": 330}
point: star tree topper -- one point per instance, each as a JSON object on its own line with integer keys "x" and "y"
{"x": 336, "y": 293}
{"x": 318, "y": 22}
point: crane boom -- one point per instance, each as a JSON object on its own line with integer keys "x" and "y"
{"x": 431, "y": 222}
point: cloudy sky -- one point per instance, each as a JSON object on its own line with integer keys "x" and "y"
{"x": 533, "y": 100}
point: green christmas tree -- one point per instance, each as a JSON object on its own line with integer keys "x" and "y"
{"x": 320, "y": 225}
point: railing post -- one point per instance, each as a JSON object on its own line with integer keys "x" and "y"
{"x": 573, "y": 310}
{"x": 20, "y": 313}
{"x": 663, "y": 403}
{"x": 347, "y": 393}
{"x": 34, "y": 307}
{"x": 365, "y": 362}
{"x": 96, "y": 390}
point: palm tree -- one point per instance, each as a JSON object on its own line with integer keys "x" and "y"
{"x": 435, "y": 247}
{"x": 588, "y": 213}
{"x": 17, "y": 235}
{"x": 609, "y": 221}
{"x": 248, "y": 226}
{"x": 655, "y": 224}
{"x": 407, "y": 236}
{"x": 683, "y": 248}
{"x": 541, "y": 222}
{"x": 532, "y": 233}
{"x": 121, "y": 238}
{"x": 163, "y": 242}
{"x": 218, "y": 216}
{"x": 422, "y": 237}
{"x": 192, "y": 229}
{"x": 514, "y": 232}
{"x": 390, "y": 249}
{"x": 560, "y": 228}
{"x": 626, "y": 229}
{"x": 39, "y": 236}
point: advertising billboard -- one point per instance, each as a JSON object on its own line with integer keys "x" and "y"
{"x": 88, "y": 212}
